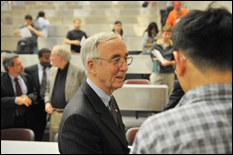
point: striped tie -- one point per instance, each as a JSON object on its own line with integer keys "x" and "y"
{"x": 43, "y": 84}
{"x": 113, "y": 110}
{"x": 20, "y": 108}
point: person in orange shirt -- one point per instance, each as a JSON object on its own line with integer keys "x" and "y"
{"x": 175, "y": 15}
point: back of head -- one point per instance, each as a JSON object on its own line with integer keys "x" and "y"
{"x": 63, "y": 50}
{"x": 205, "y": 37}
{"x": 8, "y": 60}
{"x": 40, "y": 14}
{"x": 89, "y": 48}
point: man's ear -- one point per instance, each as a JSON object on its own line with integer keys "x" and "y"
{"x": 180, "y": 63}
{"x": 91, "y": 66}
{"x": 9, "y": 68}
{"x": 62, "y": 57}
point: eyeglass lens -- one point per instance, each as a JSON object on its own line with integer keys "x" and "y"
{"x": 118, "y": 61}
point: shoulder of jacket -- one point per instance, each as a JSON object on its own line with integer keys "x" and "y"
{"x": 170, "y": 41}
{"x": 158, "y": 41}
{"x": 31, "y": 67}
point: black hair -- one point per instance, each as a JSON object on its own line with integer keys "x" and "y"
{"x": 151, "y": 27}
{"x": 28, "y": 17}
{"x": 43, "y": 50}
{"x": 205, "y": 37}
{"x": 117, "y": 22}
{"x": 121, "y": 29}
{"x": 40, "y": 14}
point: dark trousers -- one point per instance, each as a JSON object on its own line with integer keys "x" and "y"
{"x": 39, "y": 120}
{"x": 25, "y": 121}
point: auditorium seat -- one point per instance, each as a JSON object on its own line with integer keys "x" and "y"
{"x": 17, "y": 134}
{"x": 56, "y": 138}
{"x": 130, "y": 135}
{"x": 137, "y": 81}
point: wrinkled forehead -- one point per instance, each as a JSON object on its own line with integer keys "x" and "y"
{"x": 112, "y": 48}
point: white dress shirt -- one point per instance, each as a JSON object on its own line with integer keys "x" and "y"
{"x": 21, "y": 83}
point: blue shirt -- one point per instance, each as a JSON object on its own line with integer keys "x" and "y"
{"x": 44, "y": 24}
{"x": 21, "y": 83}
{"x": 100, "y": 92}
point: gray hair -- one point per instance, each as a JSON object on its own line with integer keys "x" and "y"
{"x": 63, "y": 50}
{"x": 89, "y": 48}
{"x": 8, "y": 60}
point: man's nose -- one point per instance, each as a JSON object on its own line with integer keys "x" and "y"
{"x": 124, "y": 66}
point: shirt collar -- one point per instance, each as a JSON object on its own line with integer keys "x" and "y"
{"x": 66, "y": 67}
{"x": 13, "y": 78}
{"x": 40, "y": 67}
{"x": 100, "y": 92}
{"x": 207, "y": 92}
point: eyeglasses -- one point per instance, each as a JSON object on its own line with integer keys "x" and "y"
{"x": 119, "y": 61}
{"x": 175, "y": 63}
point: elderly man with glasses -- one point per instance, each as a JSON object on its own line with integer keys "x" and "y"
{"x": 92, "y": 122}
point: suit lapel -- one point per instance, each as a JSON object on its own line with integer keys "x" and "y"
{"x": 52, "y": 77}
{"x": 119, "y": 118}
{"x": 69, "y": 82}
{"x": 25, "y": 80}
{"x": 8, "y": 83}
{"x": 106, "y": 118}
{"x": 36, "y": 76}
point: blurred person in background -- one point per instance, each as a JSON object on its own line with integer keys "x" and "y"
{"x": 43, "y": 22}
{"x": 163, "y": 72}
{"x": 40, "y": 75}
{"x": 118, "y": 30}
{"x": 35, "y": 30}
{"x": 169, "y": 8}
{"x": 149, "y": 37}
{"x": 75, "y": 36}
{"x": 176, "y": 14}
{"x": 64, "y": 80}
{"x": 17, "y": 95}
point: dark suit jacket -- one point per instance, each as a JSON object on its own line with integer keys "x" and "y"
{"x": 175, "y": 97}
{"x": 88, "y": 127}
{"x": 8, "y": 106}
{"x": 33, "y": 71}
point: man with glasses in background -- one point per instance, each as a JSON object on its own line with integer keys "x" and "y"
{"x": 201, "y": 123}
{"x": 40, "y": 74}
{"x": 92, "y": 122}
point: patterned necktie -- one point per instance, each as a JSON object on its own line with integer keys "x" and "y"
{"x": 113, "y": 110}
{"x": 43, "y": 84}
{"x": 20, "y": 108}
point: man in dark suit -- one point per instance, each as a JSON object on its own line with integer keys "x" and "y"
{"x": 40, "y": 72}
{"x": 92, "y": 122}
{"x": 175, "y": 97}
{"x": 17, "y": 94}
